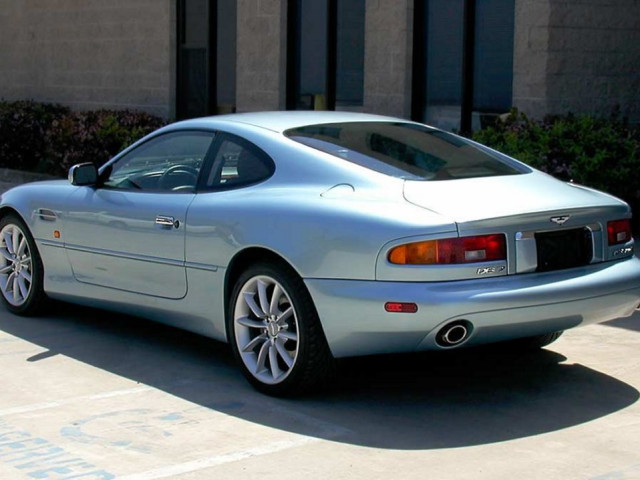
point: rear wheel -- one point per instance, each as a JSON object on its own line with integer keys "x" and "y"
{"x": 21, "y": 271}
{"x": 275, "y": 331}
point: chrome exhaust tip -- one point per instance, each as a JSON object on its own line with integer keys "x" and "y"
{"x": 454, "y": 333}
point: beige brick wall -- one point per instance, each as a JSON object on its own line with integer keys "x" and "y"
{"x": 261, "y": 55}
{"x": 388, "y": 57}
{"x": 569, "y": 55}
{"x": 89, "y": 53}
{"x": 530, "y": 52}
{"x": 578, "y": 56}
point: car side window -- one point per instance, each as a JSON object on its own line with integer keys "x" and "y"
{"x": 167, "y": 163}
{"x": 238, "y": 163}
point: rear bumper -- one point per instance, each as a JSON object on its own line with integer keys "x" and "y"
{"x": 502, "y": 308}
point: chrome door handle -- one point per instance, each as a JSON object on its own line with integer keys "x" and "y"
{"x": 167, "y": 221}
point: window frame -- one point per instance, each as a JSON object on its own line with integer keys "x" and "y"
{"x": 333, "y": 51}
{"x": 211, "y": 165}
{"x": 471, "y": 65}
{"x": 106, "y": 171}
{"x": 182, "y": 88}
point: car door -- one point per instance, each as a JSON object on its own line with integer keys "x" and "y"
{"x": 129, "y": 232}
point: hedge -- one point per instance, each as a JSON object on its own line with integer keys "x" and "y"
{"x": 603, "y": 153}
{"x": 49, "y": 138}
{"x": 23, "y": 132}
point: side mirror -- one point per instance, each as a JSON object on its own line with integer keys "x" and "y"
{"x": 83, "y": 174}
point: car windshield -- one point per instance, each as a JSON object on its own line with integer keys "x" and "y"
{"x": 406, "y": 150}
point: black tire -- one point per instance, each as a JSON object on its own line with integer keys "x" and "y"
{"x": 21, "y": 270}
{"x": 533, "y": 343}
{"x": 275, "y": 332}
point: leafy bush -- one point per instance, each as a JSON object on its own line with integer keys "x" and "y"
{"x": 23, "y": 128}
{"x": 93, "y": 136}
{"x": 50, "y": 138}
{"x": 596, "y": 152}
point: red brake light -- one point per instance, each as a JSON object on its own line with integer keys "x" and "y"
{"x": 482, "y": 248}
{"x": 619, "y": 231}
{"x": 472, "y": 249}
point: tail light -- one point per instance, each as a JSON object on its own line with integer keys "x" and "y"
{"x": 619, "y": 231}
{"x": 483, "y": 248}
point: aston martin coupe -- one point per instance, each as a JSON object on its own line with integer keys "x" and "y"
{"x": 302, "y": 237}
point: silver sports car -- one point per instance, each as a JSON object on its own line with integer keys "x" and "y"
{"x": 301, "y": 237}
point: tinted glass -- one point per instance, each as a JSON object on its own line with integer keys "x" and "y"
{"x": 406, "y": 150}
{"x": 170, "y": 162}
{"x": 193, "y": 59}
{"x": 444, "y": 63}
{"x": 238, "y": 163}
{"x": 311, "y": 53}
{"x": 350, "y": 52}
{"x": 493, "y": 56}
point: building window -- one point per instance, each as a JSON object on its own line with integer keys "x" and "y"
{"x": 206, "y": 57}
{"x": 325, "y": 64}
{"x": 463, "y": 61}
{"x": 350, "y": 53}
{"x": 493, "y": 56}
{"x": 226, "y": 56}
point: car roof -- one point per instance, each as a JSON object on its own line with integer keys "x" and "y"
{"x": 279, "y": 121}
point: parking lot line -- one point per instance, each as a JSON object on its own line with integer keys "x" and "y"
{"x": 46, "y": 405}
{"x": 204, "y": 463}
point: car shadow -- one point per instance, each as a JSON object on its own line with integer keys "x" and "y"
{"x": 419, "y": 401}
{"x": 629, "y": 323}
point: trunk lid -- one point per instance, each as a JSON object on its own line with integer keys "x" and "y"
{"x": 548, "y": 224}
{"x": 479, "y": 199}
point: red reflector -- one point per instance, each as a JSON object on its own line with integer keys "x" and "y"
{"x": 619, "y": 231}
{"x": 400, "y": 307}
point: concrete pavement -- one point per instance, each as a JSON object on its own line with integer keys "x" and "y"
{"x": 87, "y": 394}
{"x": 93, "y": 395}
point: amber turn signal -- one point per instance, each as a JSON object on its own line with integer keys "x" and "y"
{"x": 481, "y": 248}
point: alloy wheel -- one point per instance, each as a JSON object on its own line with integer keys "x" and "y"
{"x": 266, "y": 329}
{"x": 16, "y": 268}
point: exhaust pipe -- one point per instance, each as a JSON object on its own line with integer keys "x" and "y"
{"x": 454, "y": 333}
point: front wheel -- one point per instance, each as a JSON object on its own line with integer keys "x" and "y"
{"x": 21, "y": 271}
{"x": 275, "y": 331}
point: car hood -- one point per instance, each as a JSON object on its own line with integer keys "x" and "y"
{"x": 473, "y": 199}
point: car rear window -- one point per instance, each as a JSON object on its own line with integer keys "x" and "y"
{"x": 406, "y": 150}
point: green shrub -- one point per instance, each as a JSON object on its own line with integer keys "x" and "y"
{"x": 93, "y": 136}
{"x": 23, "y": 129}
{"x": 50, "y": 138}
{"x": 602, "y": 153}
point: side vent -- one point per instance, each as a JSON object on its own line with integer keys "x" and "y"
{"x": 46, "y": 215}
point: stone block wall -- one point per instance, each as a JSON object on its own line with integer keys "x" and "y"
{"x": 89, "y": 54}
{"x": 530, "y": 52}
{"x": 577, "y": 56}
{"x": 388, "y": 57}
{"x": 261, "y": 55}
{"x": 569, "y": 55}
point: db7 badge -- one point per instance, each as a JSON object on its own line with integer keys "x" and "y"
{"x": 490, "y": 270}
